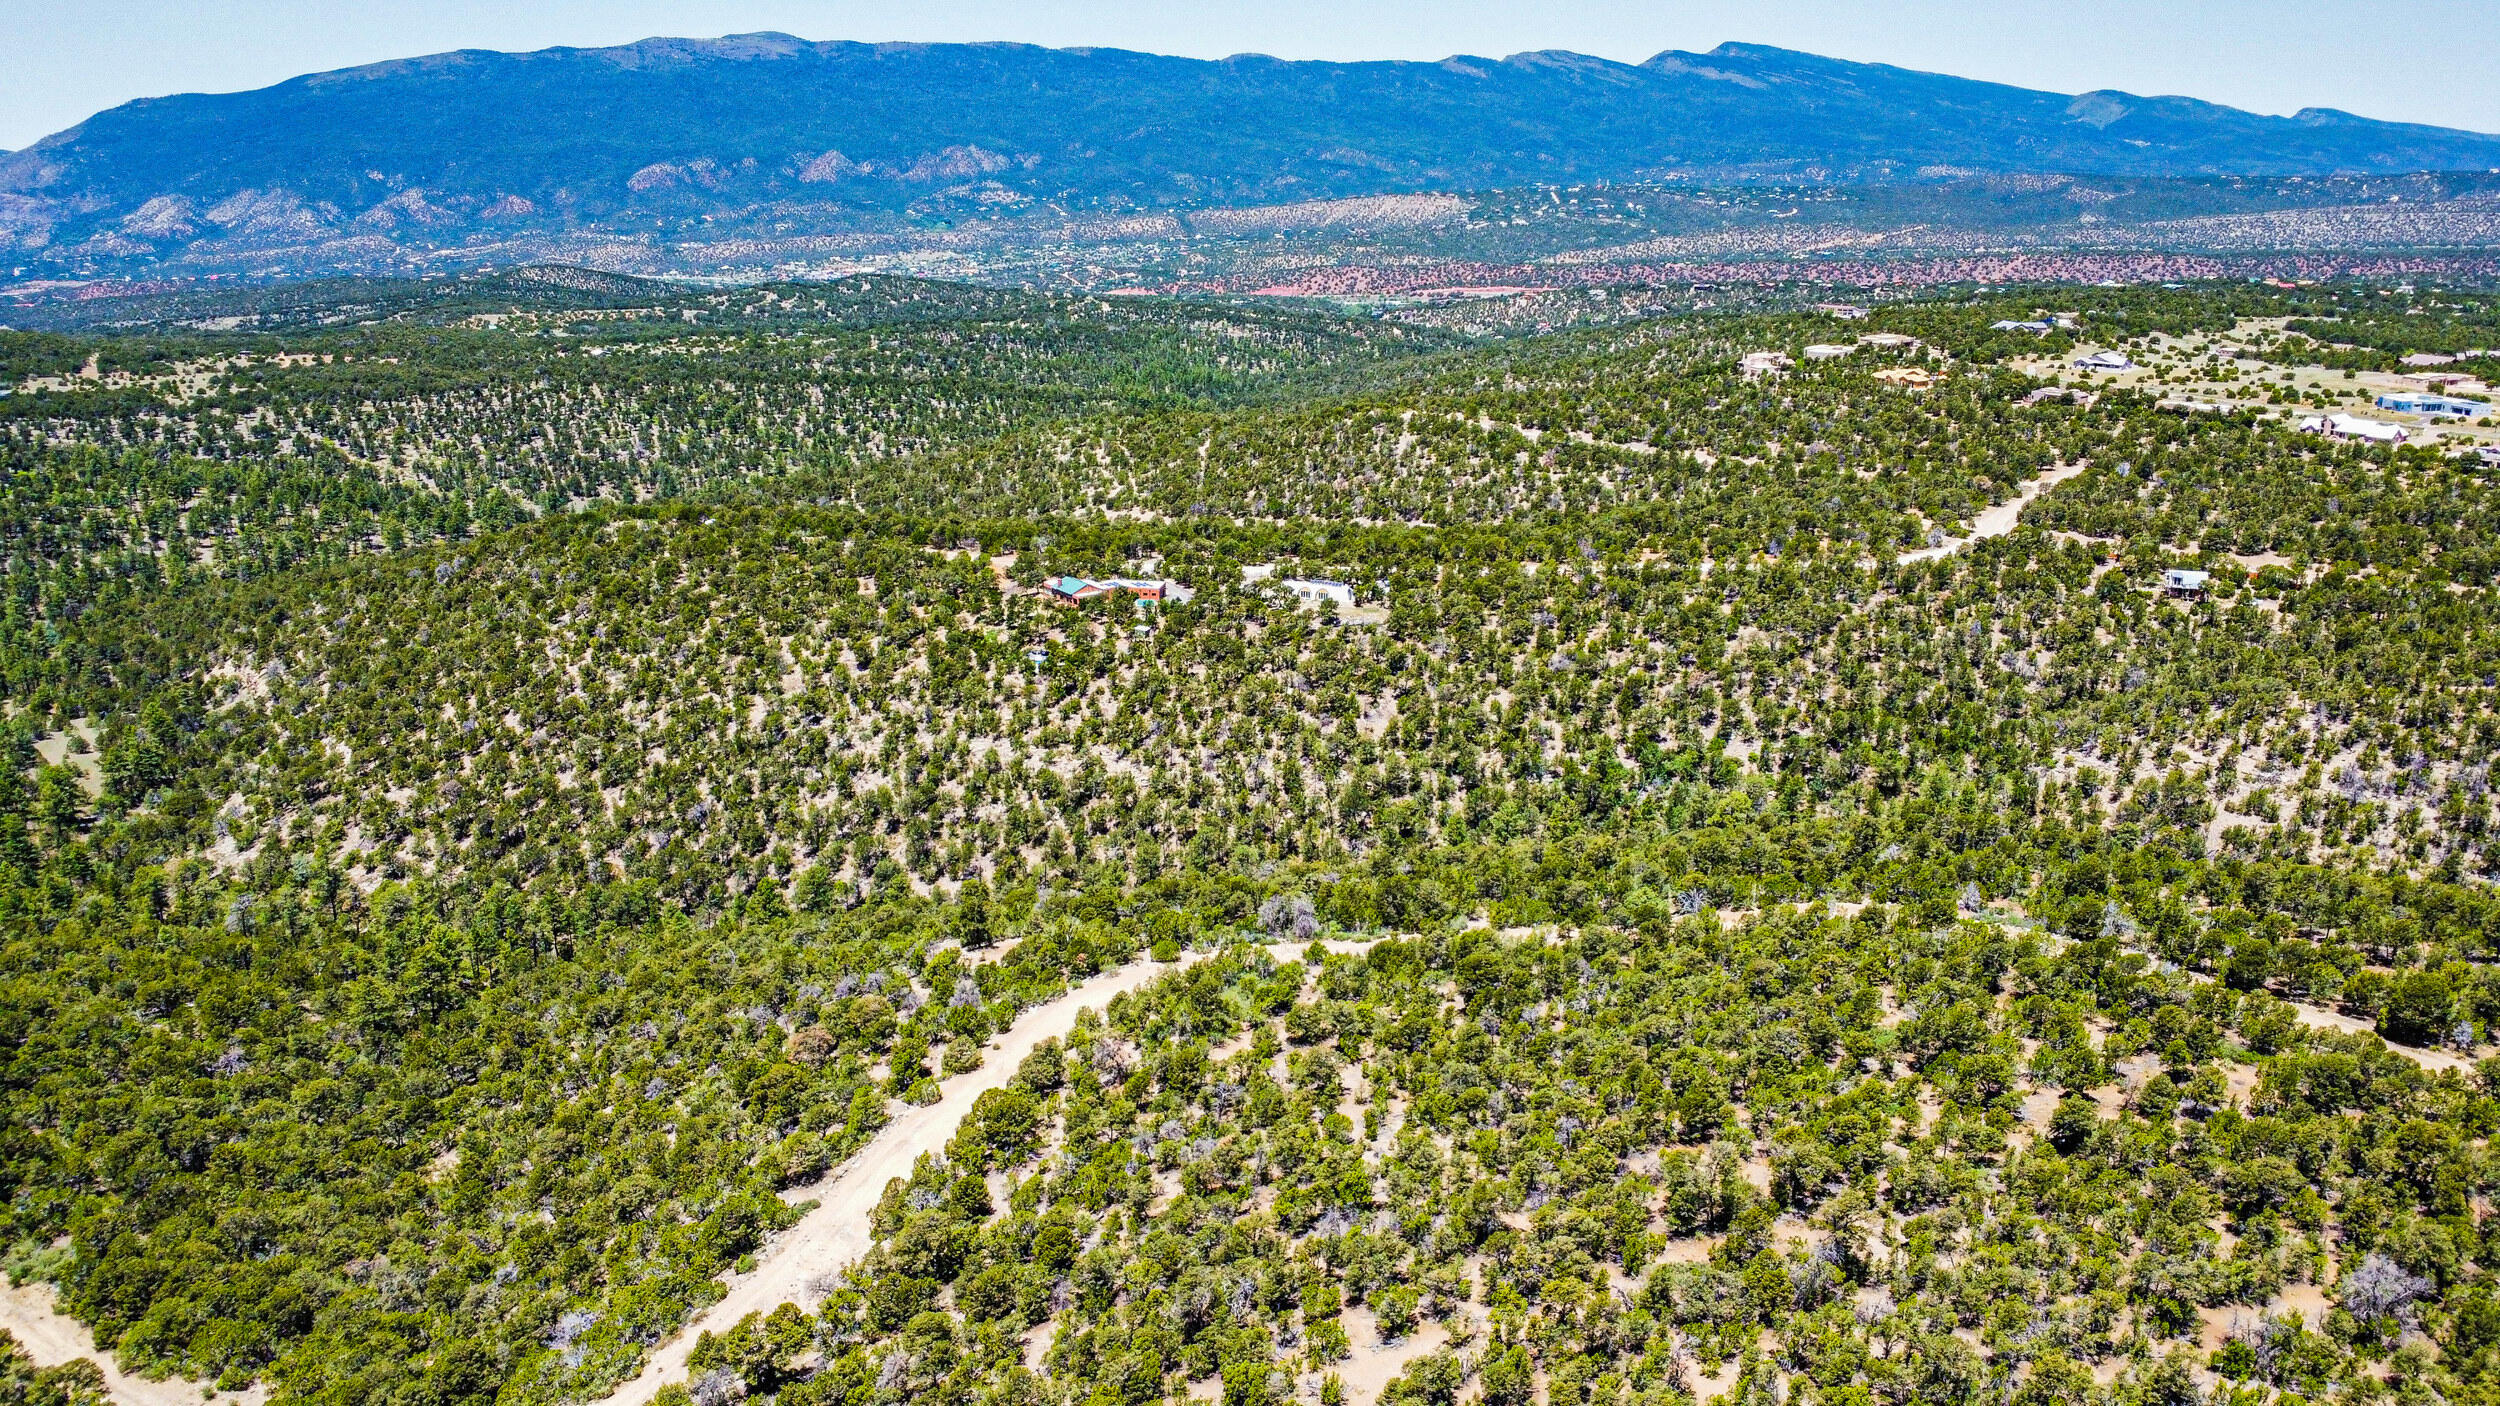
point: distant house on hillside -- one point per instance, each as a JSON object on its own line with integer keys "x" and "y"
{"x": 1827, "y": 351}
{"x": 2180, "y": 582}
{"x": 2045, "y": 394}
{"x": 1075, "y": 590}
{"x": 1069, "y": 590}
{"x": 2038, "y": 326}
{"x": 1317, "y": 593}
{"x": 1763, "y": 363}
{"x": 2341, "y": 426}
{"x": 1846, "y": 312}
{"x": 2438, "y": 407}
{"x": 1890, "y": 341}
{"x": 2489, "y": 454}
{"x": 2105, "y": 361}
{"x": 1917, "y": 378}
{"x": 2430, "y": 359}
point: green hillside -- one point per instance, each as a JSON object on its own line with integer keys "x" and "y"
{"x": 505, "y": 801}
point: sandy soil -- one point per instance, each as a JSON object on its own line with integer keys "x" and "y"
{"x": 52, "y": 1339}
{"x": 1372, "y": 1363}
{"x": 1709, "y": 1386}
{"x": 2214, "y": 1325}
{"x": 1998, "y": 520}
{"x": 1695, "y": 1250}
{"x": 2320, "y": 1018}
{"x": 77, "y": 748}
{"x": 1038, "y": 1342}
{"x": 2307, "y": 1300}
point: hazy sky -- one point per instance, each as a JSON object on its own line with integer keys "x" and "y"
{"x": 2434, "y": 61}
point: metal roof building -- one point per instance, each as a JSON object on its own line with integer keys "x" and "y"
{"x": 2438, "y": 406}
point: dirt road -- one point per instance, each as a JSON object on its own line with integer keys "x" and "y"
{"x": 836, "y": 1232}
{"x": 830, "y": 1237}
{"x": 2000, "y": 519}
{"x": 2320, "y": 1018}
{"x": 52, "y": 1338}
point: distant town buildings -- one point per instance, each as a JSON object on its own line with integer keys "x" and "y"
{"x": 1847, "y": 312}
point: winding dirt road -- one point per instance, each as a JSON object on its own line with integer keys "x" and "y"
{"x": 52, "y": 1338}
{"x": 836, "y": 1232}
{"x": 2000, "y": 518}
{"x": 830, "y": 1237}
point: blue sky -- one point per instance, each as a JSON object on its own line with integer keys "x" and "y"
{"x": 2434, "y": 61}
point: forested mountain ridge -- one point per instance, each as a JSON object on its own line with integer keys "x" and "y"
{"x": 1796, "y": 960}
{"x": 774, "y": 136}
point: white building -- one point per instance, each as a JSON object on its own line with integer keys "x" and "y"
{"x": 1313, "y": 595}
{"x": 2104, "y": 361}
{"x": 1826, "y": 351}
{"x": 2341, "y": 426}
{"x": 2045, "y": 394}
{"x": 1763, "y": 363}
{"x": 2180, "y": 582}
{"x": 2437, "y": 407}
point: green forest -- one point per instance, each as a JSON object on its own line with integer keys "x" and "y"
{"x": 516, "y": 785}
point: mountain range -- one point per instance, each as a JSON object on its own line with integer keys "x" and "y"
{"x": 772, "y": 136}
